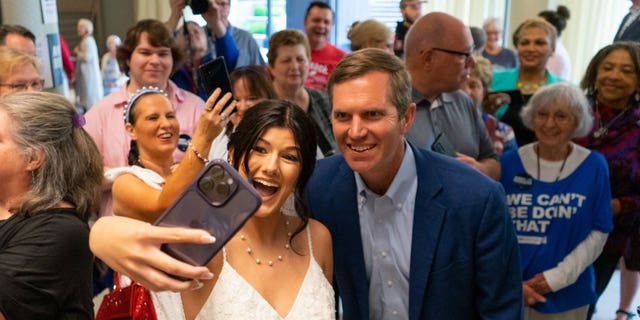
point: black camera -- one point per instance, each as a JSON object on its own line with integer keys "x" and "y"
{"x": 198, "y": 6}
{"x": 217, "y": 184}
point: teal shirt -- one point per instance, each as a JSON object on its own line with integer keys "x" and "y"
{"x": 506, "y": 79}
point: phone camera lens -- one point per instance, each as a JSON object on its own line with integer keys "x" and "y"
{"x": 223, "y": 189}
{"x": 216, "y": 172}
{"x": 207, "y": 183}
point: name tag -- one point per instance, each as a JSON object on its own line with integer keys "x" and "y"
{"x": 523, "y": 181}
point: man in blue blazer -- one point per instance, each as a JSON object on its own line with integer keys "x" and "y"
{"x": 416, "y": 235}
{"x": 629, "y": 29}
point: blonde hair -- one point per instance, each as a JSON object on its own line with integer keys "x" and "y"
{"x": 12, "y": 59}
{"x": 483, "y": 71}
{"x": 361, "y": 34}
{"x": 87, "y": 24}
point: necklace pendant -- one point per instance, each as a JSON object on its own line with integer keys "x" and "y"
{"x": 601, "y": 132}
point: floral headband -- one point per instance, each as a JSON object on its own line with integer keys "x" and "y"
{"x": 141, "y": 92}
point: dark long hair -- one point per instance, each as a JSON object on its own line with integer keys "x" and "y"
{"x": 588, "y": 82}
{"x": 278, "y": 114}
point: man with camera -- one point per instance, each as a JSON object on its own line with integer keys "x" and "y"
{"x": 216, "y": 13}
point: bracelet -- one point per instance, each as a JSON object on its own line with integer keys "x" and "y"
{"x": 198, "y": 154}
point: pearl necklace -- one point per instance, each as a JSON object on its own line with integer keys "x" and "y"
{"x": 278, "y": 258}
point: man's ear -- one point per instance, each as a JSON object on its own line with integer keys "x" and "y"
{"x": 35, "y": 160}
{"x": 407, "y": 118}
{"x": 427, "y": 59}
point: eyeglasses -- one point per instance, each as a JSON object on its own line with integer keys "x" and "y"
{"x": 558, "y": 117}
{"x": 24, "y": 86}
{"x": 454, "y": 52}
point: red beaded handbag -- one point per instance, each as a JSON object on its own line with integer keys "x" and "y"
{"x": 131, "y": 302}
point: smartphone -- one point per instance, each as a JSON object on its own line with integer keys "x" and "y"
{"x": 218, "y": 200}
{"x": 442, "y": 145}
{"x": 214, "y": 74}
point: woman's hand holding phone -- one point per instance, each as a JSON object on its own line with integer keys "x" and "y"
{"x": 494, "y": 101}
{"x": 214, "y": 117}
{"x": 132, "y": 247}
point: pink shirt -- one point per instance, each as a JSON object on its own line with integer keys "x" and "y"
{"x": 105, "y": 124}
{"x": 322, "y": 63}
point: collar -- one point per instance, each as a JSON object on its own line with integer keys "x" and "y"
{"x": 398, "y": 190}
{"x": 176, "y": 95}
{"x": 441, "y": 100}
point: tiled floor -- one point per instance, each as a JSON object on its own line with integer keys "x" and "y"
{"x": 608, "y": 303}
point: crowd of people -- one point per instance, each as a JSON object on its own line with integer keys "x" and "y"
{"x": 420, "y": 176}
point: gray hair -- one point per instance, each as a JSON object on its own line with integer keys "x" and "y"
{"x": 115, "y": 39}
{"x": 558, "y": 93}
{"x": 492, "y": 22}
{"x": 72, "y": 165}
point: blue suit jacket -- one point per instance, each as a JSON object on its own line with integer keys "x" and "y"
{"x": 464, "y": 254}
{"x": 632, "y": 33}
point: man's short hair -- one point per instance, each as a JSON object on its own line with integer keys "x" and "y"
{"x": 158, "y": 35}
{"x": 318, "y": 4}
{"x": 6, "y": 29}
{"x": 365, "y": 61}
{"x": 404, "y": 3}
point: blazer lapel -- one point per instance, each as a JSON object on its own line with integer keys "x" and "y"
{"x": 427, "y": 225}
{"x": 619, "y": 33}
{"x": 347, "y": 224}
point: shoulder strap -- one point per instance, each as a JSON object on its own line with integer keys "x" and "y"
{"x": 309, "y": 240}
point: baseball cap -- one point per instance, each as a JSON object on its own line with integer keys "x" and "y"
{"x": 404, "y": 3}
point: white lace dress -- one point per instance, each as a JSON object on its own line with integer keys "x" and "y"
{"x": 234, "y": 298}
